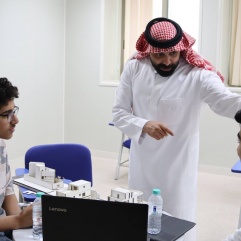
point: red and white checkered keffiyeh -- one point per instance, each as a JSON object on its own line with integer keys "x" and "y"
{"x": 164, "y": 31}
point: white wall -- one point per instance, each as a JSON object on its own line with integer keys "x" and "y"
{"x": 32, "y": 58}
{"x": 216, "y": 33}
{"x": 218, "y": 140}
{"x": 112, "y": 13}
{"x": 209, "y": 30}
{"x": 87, "y": 105}
{"x": 224, "y": 36}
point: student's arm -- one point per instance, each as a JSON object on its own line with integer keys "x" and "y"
{"x": 21, "y": 220}
{"x": 14, "y": 219}
{"x": 10, "y": 205}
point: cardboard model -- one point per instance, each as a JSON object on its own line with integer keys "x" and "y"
{"x": 77, "y": 189}
{"x": 43, "y": 176}
{"x": 120, "y": 194}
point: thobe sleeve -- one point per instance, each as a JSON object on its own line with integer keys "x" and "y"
{"x": 122, "y": 116}
{"x": 235, "y": 236}
{"x": 217, "y": 96}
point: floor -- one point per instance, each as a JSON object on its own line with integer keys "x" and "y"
{"x": 219, "y": 197}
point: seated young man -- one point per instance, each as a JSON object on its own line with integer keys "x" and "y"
{"x": 237, "y": 235}
{"x": 11, "y": 217}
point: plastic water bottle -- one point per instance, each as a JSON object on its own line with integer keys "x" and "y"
{"x": 155, "y": 204}
{"x": 37, "y": 217}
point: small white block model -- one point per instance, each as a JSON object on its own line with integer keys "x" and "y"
{"x": 77, "y": 189}
{"x": 75, "y": 194}
{"x": 43, "y": 176}
{"x": 120, "y": 194}
{"x": 80, "y": 185}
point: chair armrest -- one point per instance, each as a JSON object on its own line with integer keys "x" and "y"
{"x": 26, "y": 197}
{"x": 237, "y": 167}
{"x": 21, "y": 171}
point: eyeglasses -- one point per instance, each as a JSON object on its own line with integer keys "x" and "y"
{"x": 10, "y": 115}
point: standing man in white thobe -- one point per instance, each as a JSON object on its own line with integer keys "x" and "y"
{"x": 167, "y": 84}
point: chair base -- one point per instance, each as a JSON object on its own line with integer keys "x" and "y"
{"x": 122, "y": 164}
{"x": 125, "y": 144}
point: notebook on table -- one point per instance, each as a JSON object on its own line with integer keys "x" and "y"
{"x": 172, "y": 229}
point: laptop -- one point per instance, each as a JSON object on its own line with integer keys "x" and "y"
{"x": 92, "y": 220}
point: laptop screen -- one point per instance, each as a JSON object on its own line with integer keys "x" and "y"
{"x": 91, "y": 220}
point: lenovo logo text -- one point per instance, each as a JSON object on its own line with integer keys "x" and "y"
{"x": 58, "y": 209}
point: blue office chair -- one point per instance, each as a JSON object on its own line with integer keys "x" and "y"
{"x": 71, "y": 161}
{"x": 126, "y": 144}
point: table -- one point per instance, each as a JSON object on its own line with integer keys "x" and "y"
{"x": 26, "y": 234}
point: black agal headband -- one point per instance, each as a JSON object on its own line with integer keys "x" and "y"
{"x": 163, "y": 44}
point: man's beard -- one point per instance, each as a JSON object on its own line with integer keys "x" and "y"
{"x": 163, "y": 66}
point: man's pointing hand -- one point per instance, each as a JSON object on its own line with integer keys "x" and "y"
{"x": 156, "y": 130}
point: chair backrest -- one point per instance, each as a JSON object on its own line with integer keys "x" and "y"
{"x": 71, "y": 161}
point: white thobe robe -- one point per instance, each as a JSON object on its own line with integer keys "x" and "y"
{"x": 170, "y": 164}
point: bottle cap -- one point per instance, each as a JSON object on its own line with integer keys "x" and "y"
{"x": 39, "y": 194}
{"x": 156, "y": 191}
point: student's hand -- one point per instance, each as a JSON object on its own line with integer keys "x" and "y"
{"x": 156, "y": 130}
{"x": 25, "y": 217}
